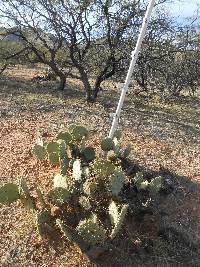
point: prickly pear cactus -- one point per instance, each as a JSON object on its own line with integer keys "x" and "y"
{"x": 107, "y": 144}
{"x": 116, "y": 217}
{"x": 85, "y": 202}
{"x": 85, "y": 185}
{"x": 60, "y": 181}
{"x": 39, "y": 152}
{"x": 127, "y": 151}
{"x": 78, "y": 132}
{"x": 89, "y": 187}
{"x": 64, "y": 160}
{"x": 59, "y": 195}
{"x": 117, "y": 181}
{"x": 24, "y": 195}
{"x": 66, "y": 136}
{"x": 88, "y": 153}
{"x": 52, "y": 147}
{"x": 91, "y": 231}
{"x": 139, "y": 179}
{"x": 155, "y": 184}
{"x": 9, "y": 193}
{"x": 43, "y": 222}
{"x": 103, "y": 167}
{"x": 77, "y": 170}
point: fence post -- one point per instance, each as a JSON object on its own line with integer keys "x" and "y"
{"x": 131, "y": 67}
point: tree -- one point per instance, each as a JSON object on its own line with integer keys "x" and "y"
{"x": 85, "y": 39}
{"x": 90, "y": 34}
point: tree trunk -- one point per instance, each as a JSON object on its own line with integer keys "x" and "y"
{"x": 62, "y": 82}
{"x": 87, "y": 86}
{"x": 97, "y": 87}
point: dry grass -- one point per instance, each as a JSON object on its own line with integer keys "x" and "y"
{"x": 161, "y": 135}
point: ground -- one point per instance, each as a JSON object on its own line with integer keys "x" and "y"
{"x": 162, "y": 136}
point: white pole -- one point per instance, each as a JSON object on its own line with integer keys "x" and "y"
{"x": 131, "y": 67}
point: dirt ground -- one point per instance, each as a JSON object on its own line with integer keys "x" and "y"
{"x": 165, "y": 136}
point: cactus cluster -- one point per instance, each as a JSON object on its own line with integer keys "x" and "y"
{"x": 88, "y": 185}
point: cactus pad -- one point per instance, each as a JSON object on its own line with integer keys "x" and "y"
{"x": 9, "y": 193}
{"x": 52, "y": 147}
{"x": 78, "y": 132}
{"x": 113, "y": 213}
{"x": 88, "y": 153}
{"x": 139, "y": 179}
{"x": 104, "y": 167}
{"x": 107, "y": 144}
{"x": 64, "y": 160}
{"x": 24, "y": 195}
{"x": 39, "y": 152}
{"x": 85, "y": 202}
{"x": 117, "y": 181}
{"x": 91, "y": 231}
{"x": 66, "y": 136}
{"x": 116, "y": 145}
{"x": 60, "y": 181}
{"x": 54, "y": 158}
{"x": 117, "y": 218}
{"x": 155, "y": 184}
{"x": 59, "y": 195}
{"x": 43, "y": 219}
{"x": 77, "y": 170}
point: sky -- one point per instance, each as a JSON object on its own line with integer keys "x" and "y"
{"x": 183, "y": 8}
{"x": 180, "y": 9}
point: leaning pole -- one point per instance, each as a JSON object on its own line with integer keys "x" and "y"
{"x": 131, "y": 67}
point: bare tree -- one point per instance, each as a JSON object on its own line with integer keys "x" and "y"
{"x": 90, "y": 35}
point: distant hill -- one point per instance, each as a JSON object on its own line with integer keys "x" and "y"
{"x": 11, "y": 37}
